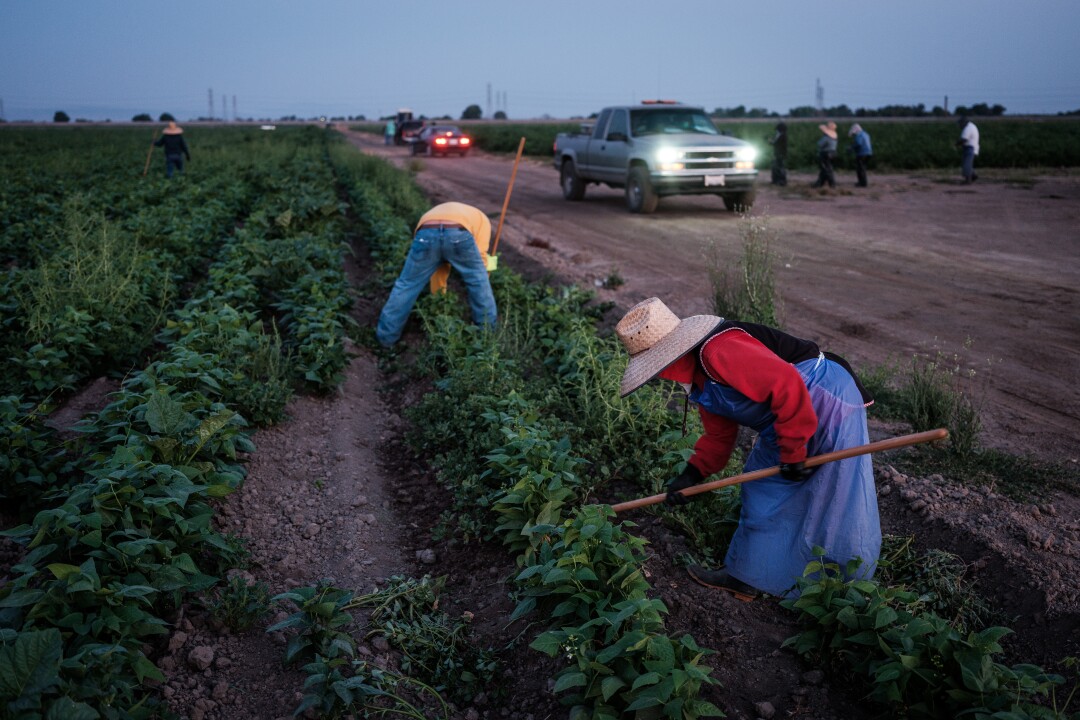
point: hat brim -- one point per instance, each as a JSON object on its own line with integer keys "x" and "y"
{"x": 647, "y": 364}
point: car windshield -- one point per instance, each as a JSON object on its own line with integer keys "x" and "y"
{"x": 444, "y": 129}
{"x": 666, "y": 122}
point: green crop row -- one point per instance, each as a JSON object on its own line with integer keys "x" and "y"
{"x": 510, "y": 406}
{"x": 122, "y": 525}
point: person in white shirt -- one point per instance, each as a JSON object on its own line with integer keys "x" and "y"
{"x": 969, "y": 143}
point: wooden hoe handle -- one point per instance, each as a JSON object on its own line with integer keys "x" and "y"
{"x": 506, "y": 200}
{"x": 879, "y": 446}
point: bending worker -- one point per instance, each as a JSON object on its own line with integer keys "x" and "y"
{"x": 453, "y": 233}
{"x": 801, "y": 402}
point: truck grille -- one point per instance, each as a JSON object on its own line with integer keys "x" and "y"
{"x": 709, "y": 159}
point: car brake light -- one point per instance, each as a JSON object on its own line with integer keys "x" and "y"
{"x": 465, "y": 141}
{"x": 440, "y": 141}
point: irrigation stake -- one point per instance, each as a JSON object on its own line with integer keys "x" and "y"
{"x": 879, "y": 446}
{"x": 506, "y": 202}
{"x": 149, "y": 153}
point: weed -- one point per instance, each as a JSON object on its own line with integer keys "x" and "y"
{"x": 939, "y": 577}
{"x": 746, "y": 289}
{"x": 239, "y": 604}
{"x": 612, "y": 280}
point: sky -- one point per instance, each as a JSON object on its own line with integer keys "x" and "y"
{"x": 113, "y": 59}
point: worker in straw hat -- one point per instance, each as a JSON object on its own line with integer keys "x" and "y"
{"x": 800, "y": 402}
{"x": 826, "y": 153}
{"x": 176, "y": 149}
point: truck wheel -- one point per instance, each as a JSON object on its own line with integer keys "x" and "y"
{"x": 740, "y": 201}
{"x": 640, "y": 196}
{"x": 573, "y": 187}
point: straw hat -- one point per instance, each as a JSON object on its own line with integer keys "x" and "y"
{"x": 655, "y": 337}
{"x": 173, "y": 129}
{"x": 855, "y": 129}
{"x": 829, "y": 129}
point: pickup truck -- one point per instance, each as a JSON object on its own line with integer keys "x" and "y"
{"x": 653, "y": 150}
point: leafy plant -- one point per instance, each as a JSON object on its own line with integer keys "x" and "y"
{"x": 437, "y": 655}
{"x": 910, "y": 659}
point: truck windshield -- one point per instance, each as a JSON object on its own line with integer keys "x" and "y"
{"x": 666, "y": 122}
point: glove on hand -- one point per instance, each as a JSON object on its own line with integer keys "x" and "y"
{"x": 690, "y": 476}
{"x": 795, "y": 471}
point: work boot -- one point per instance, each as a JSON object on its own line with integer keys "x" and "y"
{"x": 721, "y": 580}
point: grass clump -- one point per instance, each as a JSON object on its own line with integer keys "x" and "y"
{"x": 240, "y": 605}
{"x": 746, "y": 289}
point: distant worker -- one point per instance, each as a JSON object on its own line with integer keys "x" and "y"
{"x": 969, "y": 144}
{"x": 176, "y": 149}
{"x": 826, "y": 153}
{"x": 453, "y": 233}
{"x": 800, "y": 402}
{"x": 863, "y": 152}
{"x": 389, "y": 131}
{"x": 779, "y": 149}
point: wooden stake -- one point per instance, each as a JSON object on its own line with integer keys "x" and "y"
{"x": 879, "y": 446}
{"x": 149, "y": 153}
{"x": 506, "y": 201}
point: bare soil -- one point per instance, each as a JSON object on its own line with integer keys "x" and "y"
{"x": 913, "y": 263}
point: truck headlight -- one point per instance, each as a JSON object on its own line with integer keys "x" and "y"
{"x": 744, "y": 158}
{"x": 746, "y": 154}
{"x": 667, "y": 159}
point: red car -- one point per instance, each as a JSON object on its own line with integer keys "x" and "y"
{"x": 442, "y": 140}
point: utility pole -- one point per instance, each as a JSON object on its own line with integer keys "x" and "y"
{"x": 1, "y": 108}
{"x": 488, "y": 100}
{"x": 234, "y": 108}
{"x": 946, "y": 104}
{"x": 210, "y": 95}
{"x": 819, "y": 96}
{"x": 224, "y": 111}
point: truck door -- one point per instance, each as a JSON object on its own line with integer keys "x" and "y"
{"x": 608, "y": 153}
{"x": 594, "y": 143}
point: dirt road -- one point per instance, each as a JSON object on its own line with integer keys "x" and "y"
{"x": 915, "y": 263}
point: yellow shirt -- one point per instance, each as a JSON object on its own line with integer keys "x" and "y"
{"x": 470, "y": 218}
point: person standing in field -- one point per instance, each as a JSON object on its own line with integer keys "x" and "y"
{"x": 826, "y": 147}
{"x": 779, "y": 149}
{"x": 801, "y": 402}
{"x": 453, "y": 233}
{"x": 388, "y": 132}
{"x": 969, "y": 145}
{"x": 863, "y": 152}
{"x": 176, "y": 149}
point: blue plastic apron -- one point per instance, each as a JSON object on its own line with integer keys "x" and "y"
{"x": 781, "y": 520}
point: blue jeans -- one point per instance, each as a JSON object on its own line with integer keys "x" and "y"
{"x": 430, "y": 248}
{"x": 967, "y": 165}
{"x": 173, "y": 161}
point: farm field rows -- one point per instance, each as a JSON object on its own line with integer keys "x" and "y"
{"x": 448, "y": 562}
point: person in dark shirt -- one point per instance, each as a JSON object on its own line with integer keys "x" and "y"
{"x": 176, "y": 149}
{"x": 779, "y": 149}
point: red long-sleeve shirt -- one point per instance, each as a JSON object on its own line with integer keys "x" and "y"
{"x": 736, "y": 359}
